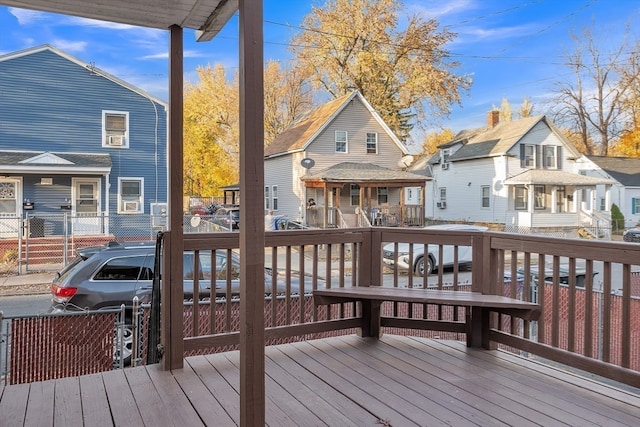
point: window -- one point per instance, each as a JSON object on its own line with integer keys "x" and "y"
{"x": 539, "y": 197}
{"x": 274, "y": 197}
{"x": 549, "y": 156}
{"x": 635, "y": 206}
{"x": 520, "y": 197}
{"x": 529, "y": 156}
{"x": 443, "y": 194}
{"x": 115, "y": 129}
{"x": 486, "y": 196}
{"x": 341, "y": 141}
{"x": 372, "y": 143}
{"x": 267, "y": 198}
{"x": 383, "y": 195}
{"x": 354, "y": 194}
{"x": 446, "y": 152}
{"x": 603, "y": 205}
{"x": 125, "y": 268}
{"x": 8, "y": 198}
{"x": 130, "y": 195}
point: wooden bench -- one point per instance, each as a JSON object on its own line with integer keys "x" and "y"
{"x": 479, "y": 307}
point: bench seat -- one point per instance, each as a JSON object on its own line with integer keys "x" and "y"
{"x": 477, "y": 316}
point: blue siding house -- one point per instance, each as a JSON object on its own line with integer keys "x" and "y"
{"x": 75, "y": 140}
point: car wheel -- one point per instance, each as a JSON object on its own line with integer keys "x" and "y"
{"x": 420, "y": 267}
{"x": 123, "y": 339}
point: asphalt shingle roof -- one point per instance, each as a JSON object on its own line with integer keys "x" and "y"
{"x": 625, "y": 170}
{"x": 362, "y": 172}
{"x": 20, "y": 158}
{"x": 554, "y": 177}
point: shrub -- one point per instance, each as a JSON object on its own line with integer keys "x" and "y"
{"x": 617, "y": 219}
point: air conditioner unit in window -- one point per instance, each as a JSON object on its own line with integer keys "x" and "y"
{"x": 445, "y": 166}
{"x": 116, "y": 140}
{"x": 441, "y": 205}
{"x": 131, "y": 206}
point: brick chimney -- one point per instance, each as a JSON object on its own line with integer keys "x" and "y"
{"x": 493, "y": 118}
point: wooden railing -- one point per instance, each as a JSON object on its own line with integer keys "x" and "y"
{"x": 589, "y": 290}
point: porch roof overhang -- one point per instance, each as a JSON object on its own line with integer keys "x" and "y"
{"x": 555, "y": 177}
{"x": 26, "y": 162}
{"x": 365, "y": 175}
{"x": 207, "y": 17}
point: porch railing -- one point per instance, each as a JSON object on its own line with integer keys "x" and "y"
{"x": 591, "y": 324}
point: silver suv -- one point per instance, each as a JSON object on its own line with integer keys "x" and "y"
{"x": 103, "y": 277}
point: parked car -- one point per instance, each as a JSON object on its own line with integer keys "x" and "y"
{"x": 105, "y": 277}
{"x": 421, "y": 264}
{"x": 563, "y": 275}
{"x": 631, "y": 235}
{"x": 227, "y": 218}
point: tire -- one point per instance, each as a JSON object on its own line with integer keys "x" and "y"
{"x": 420, "y": 267}
{"x": 127, "y": 345}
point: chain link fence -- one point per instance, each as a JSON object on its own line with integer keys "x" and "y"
{"x": 44, "y": 242}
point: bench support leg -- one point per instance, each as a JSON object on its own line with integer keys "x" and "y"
{"x": 478, "y": 327}
{"x": 370, "y": 318}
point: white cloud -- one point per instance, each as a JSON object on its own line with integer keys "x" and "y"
{"x": 436, "y": 9}
{"x": 70, "y": 45}
{"x": 26, "y": 17}
{"x": 165, "y": 55}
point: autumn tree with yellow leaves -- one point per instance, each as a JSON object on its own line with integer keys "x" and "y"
{"x": 405, "y": 73}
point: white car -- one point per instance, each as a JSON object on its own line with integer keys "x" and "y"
{"x": 417, "y": 265}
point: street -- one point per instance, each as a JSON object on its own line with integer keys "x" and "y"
{"x": 23, "y": 305}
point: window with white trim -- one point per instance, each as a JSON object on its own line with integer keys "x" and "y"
{"x": 486, "y": 196}
{"x": 341, "y": 141}
{"x": 130, "y": 195}
{"x": 520, "y": 197}
{"x": 635, "y": 206}
{"x": 267, "y": 198}
{"x": 115, "y": 129}
{"x": 443, "y": 194}
{"x": 372, "y": 143}
{"x": 550, "y": 157}
{"x": 274, "y": 197}
{"x": 603, "y": 205}
{"x": 530, "y": 156}
{"x": 354, "y": 194}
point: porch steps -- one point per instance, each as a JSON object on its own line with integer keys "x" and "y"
{"x": 46, "y": 250}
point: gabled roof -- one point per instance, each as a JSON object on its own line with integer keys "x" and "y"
{"x": 363, "y": 172}
{"x": 303, "y": 132}
{"x": 90, "y": 67}
{"x": 625, "y": 170}
{"x": 39, "y": 161}
{"x": 496, "y": 141}
{"x": 554, "y": 177}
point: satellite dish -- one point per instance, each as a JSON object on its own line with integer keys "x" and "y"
{"x": 307, "y": 163}
{"x": 406, "y": 161}
{"x": 195, "y": 221}
{"x": 497, "y": 186}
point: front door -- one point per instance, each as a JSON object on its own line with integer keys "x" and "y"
{"x": 10, "y": 208}
{"x": 85, "y": 209}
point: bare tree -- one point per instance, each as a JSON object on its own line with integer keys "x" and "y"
{"x": 593, "y": 104}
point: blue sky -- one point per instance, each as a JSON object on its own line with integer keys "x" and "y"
{"x": 511, "y": 49}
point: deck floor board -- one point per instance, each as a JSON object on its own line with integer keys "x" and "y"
{"x": 397, "y": 381}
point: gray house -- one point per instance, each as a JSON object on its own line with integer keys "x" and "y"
{"x": 79, "y": 143}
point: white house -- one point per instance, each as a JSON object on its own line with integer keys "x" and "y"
{"x": 625, "y": 192}
{"x": 344, "y": 157}
{"x": 523, "y": 174}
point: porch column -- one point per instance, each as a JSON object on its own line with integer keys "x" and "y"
{"x": 325, "y": 210}
{"x": 252, "y": 334}
{"x": 607, "y": 197}
{"x": 530, "y": 191}
{"x": 554, "y": 198}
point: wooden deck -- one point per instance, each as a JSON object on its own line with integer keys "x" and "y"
{"x": 397, "y": 381}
